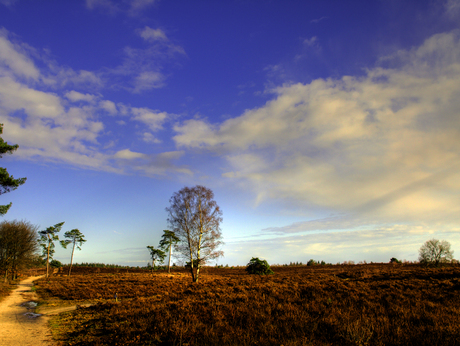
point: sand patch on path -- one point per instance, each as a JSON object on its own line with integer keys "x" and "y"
{"x": 19, "y": 326}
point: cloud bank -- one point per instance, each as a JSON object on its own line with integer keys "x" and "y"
{"x": 385, "y": 145}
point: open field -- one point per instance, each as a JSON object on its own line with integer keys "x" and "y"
{"x": 377, "y": 304}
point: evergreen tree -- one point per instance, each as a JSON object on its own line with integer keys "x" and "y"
{"x": 168, "y": 239}
{"x": 46, "y": 241}
{"x": 7, "y": 182}
{"x": 76, "y": 238}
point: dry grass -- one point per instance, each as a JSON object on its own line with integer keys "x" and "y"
{"x": 336, "y": 305}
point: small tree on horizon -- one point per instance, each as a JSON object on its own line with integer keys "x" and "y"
{"x": 46, "y": 241}
{"x": 258, "y": 266}
{"x": 156, "y": 255}
{"x": 76, "y": 238}
{"x": 168, "y": 239}
{"x": 435, "y": 252}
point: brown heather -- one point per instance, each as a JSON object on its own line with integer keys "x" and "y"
{"x": 376, "y": 304}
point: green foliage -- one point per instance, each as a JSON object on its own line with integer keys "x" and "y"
{"x": 55, "y": 264}
{"x": 7, "y": 182}
{"x": 46, "y": 241}
{"x": 76, "y": 238}
{"x": 196, "y": 264}
{"x": 311, "y": 262}
{"x": 156, "y": 255}
{"x": 168, "y": 239}
{"x": 258, "y": 266}
{"x": 395, "y": 260}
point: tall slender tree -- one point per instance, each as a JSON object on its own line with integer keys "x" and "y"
{"x": 167, "y": 241}
{"x": 76, "y": 238}
{"x": 195, "y": 218}
{"x": 47, "y": 239}
{"x": 7, "y": 182}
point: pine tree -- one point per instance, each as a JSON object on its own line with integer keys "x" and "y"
{"x": 7, "y": 182}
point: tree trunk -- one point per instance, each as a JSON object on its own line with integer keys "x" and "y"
{"x": 169, "y": 262}
{"x": 197, "y": 273}
{"x": 71, "y": 257}
{"x": 48, "y": 256}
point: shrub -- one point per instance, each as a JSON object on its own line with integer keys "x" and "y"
{"x": 311, "y": 262}
{"x": 55, "y": 264}
{"x": 394, "y": 260}
{"x": 195, "y": 264}
{"x": 258, "y": 266}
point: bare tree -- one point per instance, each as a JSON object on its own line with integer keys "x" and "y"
{"x": 435, "y": 252}
{"x": 18, "y": 246}
{"x": 76, "y": 238}
{"x": 166, "y": 243}
{"x": 195, "y": 219}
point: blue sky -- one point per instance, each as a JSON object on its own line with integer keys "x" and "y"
{"x": 326, "y": 129}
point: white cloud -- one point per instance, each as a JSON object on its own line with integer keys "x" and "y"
{"x": 382, "y": 144}
{"x": 310, "y": 42}
{"x": 145, "y": 66}
{"x": 75, "y": 96}
{"x": 148, "y": 80}
{"x": 12, "y": 58}
{"x": 104, "y": 4}
{"x": 150, "y": 34}
{"x": 149, "y": 138}
{"x": 8, "y": 3}
{"x": 378, "y": 244}
{"x": 130, "y": 7}
{"x": 16, "y": 96}
{"x": 64, "y": 77}
{"x": 316, "y": 21}
{"x": 452, "y": 8}
{"x": 66, "y": 126}
{"x": 152, "y": 119}
{"x": 141, "y": 4}
{"x": 108, "y": 106}
{"x": 128, "y": 155}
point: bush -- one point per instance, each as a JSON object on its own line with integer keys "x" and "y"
{"x": 394, "y": 260}
{"x": 311, "y": 262}
{"x": 55, "y": 264}
{"x": 195, "y": 264}
{"x": 258, "y": 266}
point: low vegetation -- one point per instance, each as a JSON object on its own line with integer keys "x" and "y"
{"x": 258, "y": 266}
{"x": 379, "y": 304}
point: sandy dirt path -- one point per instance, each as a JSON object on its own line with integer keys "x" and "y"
{"x": 17, "y": 327}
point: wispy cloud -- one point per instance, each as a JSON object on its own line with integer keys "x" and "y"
{"x": 130, "y": 7}
{"x": 8, "y": 3}
{"x": 145, "y": 66}
{"x": 52, "y": 122}
{"x": 378, "y": 244}
{"x": 316, "y": 21}
{"x": 376, "y": 144}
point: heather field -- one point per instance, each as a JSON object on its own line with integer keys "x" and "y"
{"x": 373, "y": 304}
